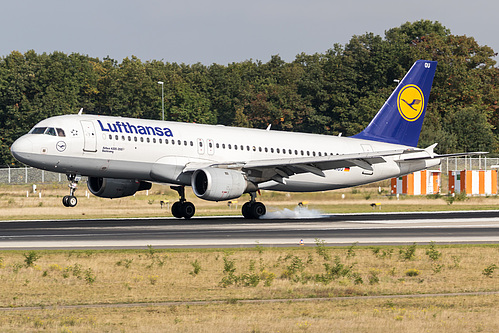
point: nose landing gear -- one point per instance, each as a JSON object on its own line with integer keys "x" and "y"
{"x": 70, "y": 200}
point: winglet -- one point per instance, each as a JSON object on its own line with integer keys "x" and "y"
{"x": 430, "y": 149}
{"x": 400, "y": 119}
{"x": 80, "y": 112}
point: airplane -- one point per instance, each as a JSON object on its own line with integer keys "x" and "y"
{"x": 121, "y": 156}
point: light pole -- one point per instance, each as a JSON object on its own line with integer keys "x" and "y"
{"x": 162, "y": 98}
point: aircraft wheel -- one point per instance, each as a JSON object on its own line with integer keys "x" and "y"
{"x": 258, "y": 209}
{"x": 187, "y": 209}
{"x": 176, "y": 209}
{"x": 246, "y": 210}
{"x": 72, "y": 201}
{"x": 65, "y": 201}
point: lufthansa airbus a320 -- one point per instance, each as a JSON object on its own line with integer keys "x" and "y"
{"x": 121, "y": 156}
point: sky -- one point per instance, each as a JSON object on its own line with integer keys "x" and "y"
{"x": 223, "y": 31}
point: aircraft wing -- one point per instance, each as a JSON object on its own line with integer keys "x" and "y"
{"x": 277, "y": 169}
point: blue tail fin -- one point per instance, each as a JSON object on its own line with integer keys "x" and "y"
{"x": 401, "y": 117}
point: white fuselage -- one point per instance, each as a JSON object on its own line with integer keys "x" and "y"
{"x": 160, "y": 151}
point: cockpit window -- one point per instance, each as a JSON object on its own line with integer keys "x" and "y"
{"x": 38, "y": 130}
{"x": 51, "y": 131}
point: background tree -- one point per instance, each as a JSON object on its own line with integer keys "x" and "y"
{"x": 338, "y": 91}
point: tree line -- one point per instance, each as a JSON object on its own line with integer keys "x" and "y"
{"x": 338, "y": 91}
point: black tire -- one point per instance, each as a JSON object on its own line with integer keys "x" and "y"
{"x": 257, "y": 210}
{"x": 65, "y": 201}
{"x": 72, "y": 201}
{"x": 188, "y": 210}
{"x": 246, "y": 210}
{"x": 176, "y": 209}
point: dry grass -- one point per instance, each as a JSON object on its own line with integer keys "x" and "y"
{"x": 442, "y": 314}
{"x": 14, "y": 203}
{"x": 127, "y": 276}
{"x": 64, "y": 277}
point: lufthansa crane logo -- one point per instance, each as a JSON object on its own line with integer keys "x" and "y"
{"x": 61, "y": 146}
{"x": 410, "y": 102}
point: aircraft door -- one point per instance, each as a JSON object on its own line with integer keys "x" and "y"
{"x": 211, "y": 147}
{"x": 89, "y": 136}
{"x": 200, "y": 146}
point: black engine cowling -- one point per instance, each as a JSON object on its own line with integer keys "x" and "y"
{"x": 218, "y": 184}
{"x": 115, "y": 188}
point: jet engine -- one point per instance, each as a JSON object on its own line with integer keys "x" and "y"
{"x": 115, "y": 188}
{"x": 216, "y": 184}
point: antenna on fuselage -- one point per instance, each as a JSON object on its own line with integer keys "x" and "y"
{"x": 80, "y": 112}
{"x": 268, "y": 127}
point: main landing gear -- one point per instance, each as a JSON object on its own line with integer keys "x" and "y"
{"x": 253, "y": 209}
{"x": 70, "y": 200}
{"x": 182, "y": 208}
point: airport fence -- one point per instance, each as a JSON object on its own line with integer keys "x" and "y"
{"x": 28, "y": 175}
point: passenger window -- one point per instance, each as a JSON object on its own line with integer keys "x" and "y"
{"x": 229, "y": 145}
{"x": 260, "y": 149}
{"x": 296, "y": 152}
{"x": 217, "y": 145}
{"x": 185, "y": 143}
{"x": 166, "y": 141}
{"x": 271, "y": 150}
{"x": 110, "y": 137}
{"x": 160, "y": 140}
{"x": 242, "y": 147}
{"x": 223, "y": 145}
{"x": 235, "y": 147}
{"x": 123, "y": 137}
{"x": 266, "y": 150}
{"x": 135, "y": 138}
{"x": 116, "y": 137}
{"x": 129, "y": 138}
{"x": 247, "y": 148}
{"x": 148, "y": 140}
{"x": 173, "y": 142}
{"x": 141, "y": 139}
{"x": 192, "y": 144}
{"x": 277, "y": 150}
{"x": 60, "y": 132}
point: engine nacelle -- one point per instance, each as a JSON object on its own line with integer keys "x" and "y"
{"x": 115, "y": 188}
{"x": 216, "y": 184}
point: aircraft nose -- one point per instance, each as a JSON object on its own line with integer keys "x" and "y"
{"x": 21, "y": 146}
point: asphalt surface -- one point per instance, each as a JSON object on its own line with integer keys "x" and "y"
{"x": 338, "y": 229}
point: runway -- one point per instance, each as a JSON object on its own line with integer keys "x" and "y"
{"x": 337, "y": 229}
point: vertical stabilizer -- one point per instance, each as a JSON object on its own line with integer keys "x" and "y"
{"x": 400, "y": 119}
